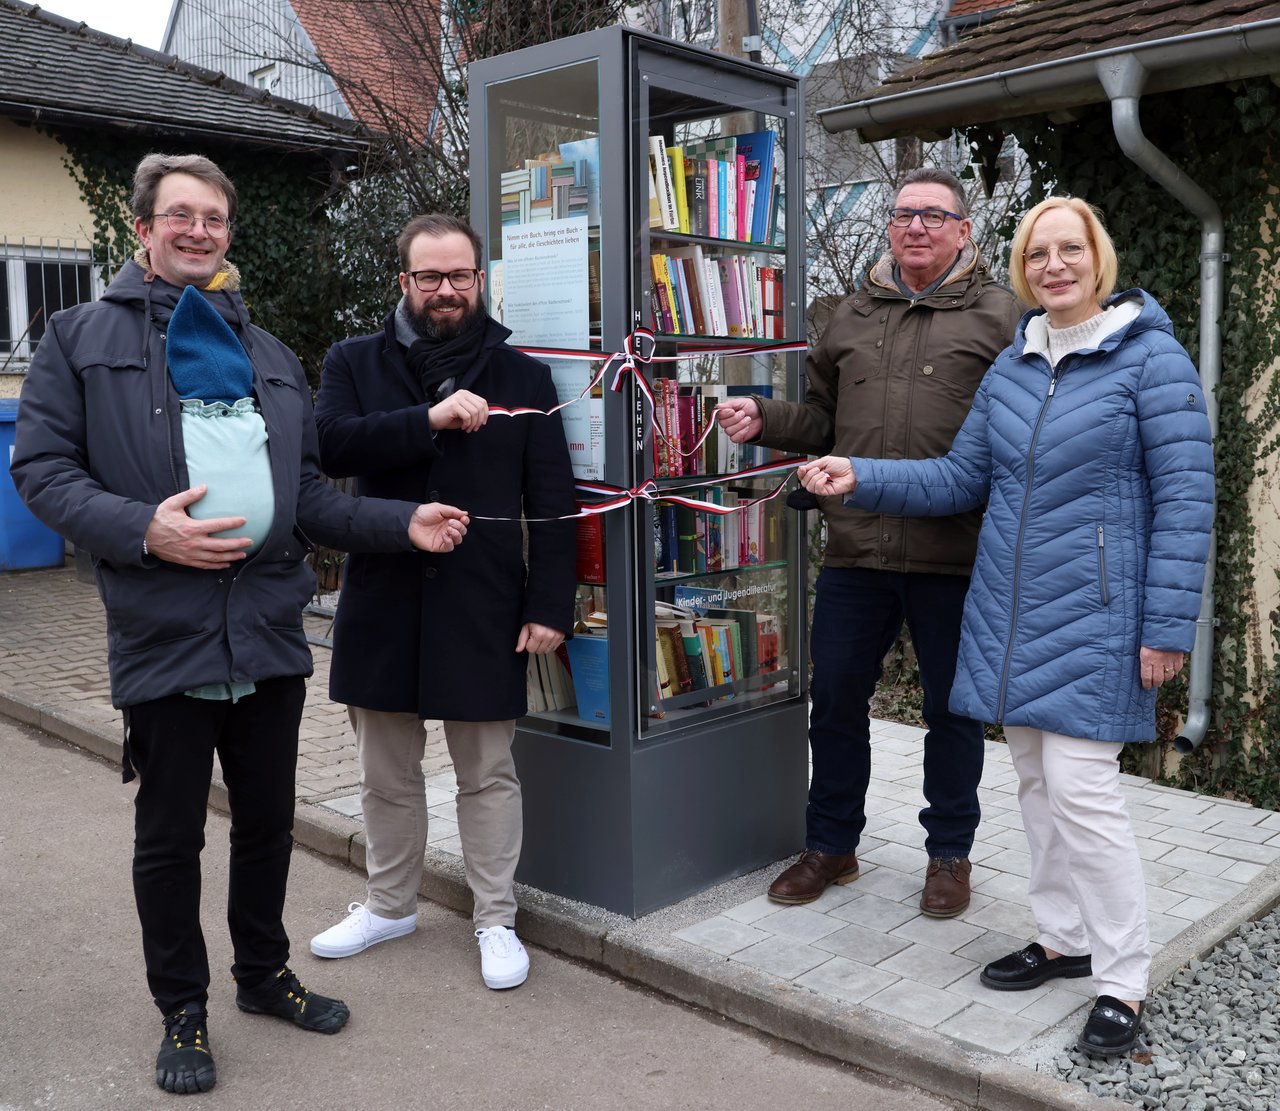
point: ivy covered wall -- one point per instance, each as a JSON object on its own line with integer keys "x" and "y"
{"x": 280, "y": 243}
{"x": 1227, "y": 138}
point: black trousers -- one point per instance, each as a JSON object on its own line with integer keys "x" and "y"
{"x": 172, "y": 741}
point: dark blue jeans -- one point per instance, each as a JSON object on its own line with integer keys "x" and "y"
{"x": 857, "y": 615}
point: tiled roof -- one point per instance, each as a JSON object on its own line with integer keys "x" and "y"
{"x": 1045, "y": 38}
{"x": 1036, "y": 31}
{"x": 963, "y": 8}
{"x": 57, "y": 70}
{"x": 376, "y": 55}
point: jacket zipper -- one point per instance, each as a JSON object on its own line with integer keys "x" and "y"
{"x": 1017, "y": 550}
{"x": 1102, "y": 567}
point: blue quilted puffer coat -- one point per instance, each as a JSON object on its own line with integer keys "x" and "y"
{"x": 1098, "y": 480}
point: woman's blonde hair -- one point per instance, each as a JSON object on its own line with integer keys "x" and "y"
{"x": 1104, "y": 251}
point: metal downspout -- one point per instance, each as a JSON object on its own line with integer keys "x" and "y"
{"x": 1123, "y": 78}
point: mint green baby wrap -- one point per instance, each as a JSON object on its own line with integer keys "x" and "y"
{"x": 223, "y": 434}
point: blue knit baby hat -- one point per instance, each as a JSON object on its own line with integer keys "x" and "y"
{"x": 206, "y": 359}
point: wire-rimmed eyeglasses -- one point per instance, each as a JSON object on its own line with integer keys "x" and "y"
{"x": 181, "y": 223}
{"x": 1068, "y": 254}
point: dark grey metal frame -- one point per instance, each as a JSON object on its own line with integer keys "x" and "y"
{"x": 640, "y": 822}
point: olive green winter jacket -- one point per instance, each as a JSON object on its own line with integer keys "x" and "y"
{"x": 893, "y": 378}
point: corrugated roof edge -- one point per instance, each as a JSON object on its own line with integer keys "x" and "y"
{"x": 357, "y": 133}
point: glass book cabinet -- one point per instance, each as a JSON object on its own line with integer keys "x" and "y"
{"x": 640, "y": 196}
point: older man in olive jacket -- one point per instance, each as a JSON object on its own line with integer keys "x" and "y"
{"x": 892, "y": 377}
{"x": 407, "y": 409}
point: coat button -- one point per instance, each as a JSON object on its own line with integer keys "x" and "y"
{"x": 927, "y": 368}
{"x": 429, "y": 573}
{"x": 879, "y": 343}
{"x": 884, "y": 559}
{"x": 434, "y": 495}
{"x": 885, "y": 538}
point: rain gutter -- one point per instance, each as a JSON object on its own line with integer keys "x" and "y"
{"x": 1007, "y": 94}
{"x": 1123, "y": 77}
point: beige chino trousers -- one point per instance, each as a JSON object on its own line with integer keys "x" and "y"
{"x": 393, "y": 797}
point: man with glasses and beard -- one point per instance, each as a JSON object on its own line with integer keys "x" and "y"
{"x": 408, "y": 409}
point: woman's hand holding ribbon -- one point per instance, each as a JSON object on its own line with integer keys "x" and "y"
{"x": 832, "y": 474}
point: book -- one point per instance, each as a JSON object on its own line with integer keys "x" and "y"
{"x": 740, "y": 230}
{"x": 675, "y": 275}
{"x": 590, "y": 549}
{"x": 731, "y": 295}
{"x": 693, "y": 655}
{"x": 666, "y": 187}
{"x": 561, "y": 683}
{"x": 655, "y": 206}
{"x": 589, "y": 667}
{"x": 696, "y": 193}
{"x": 747, "y": 638}
{"x": 757, "y": 148}
{"x": 664, "y": 319}
{"x": 676, "y": 156}
{"x": 693, "y": 267}
{"x": 534, "y": 698}
{"x": 771, "y": 289}
{"x": 671, "y": 648}
{"x": 686, "y": 539}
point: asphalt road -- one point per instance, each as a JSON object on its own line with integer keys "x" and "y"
{"x": 78, "y": 1030}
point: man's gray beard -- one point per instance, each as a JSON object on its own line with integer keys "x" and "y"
{"x": 429, "y": 329}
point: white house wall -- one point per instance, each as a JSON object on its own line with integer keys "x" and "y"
{"x": 242, "y": 37}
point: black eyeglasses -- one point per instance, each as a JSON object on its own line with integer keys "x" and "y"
{"x": 216, "y": 227}
{"x": 932, "y": 218}
{"x": 1068, "y": 254}
{"x": 428, "y": 281}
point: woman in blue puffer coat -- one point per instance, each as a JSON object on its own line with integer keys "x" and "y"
{"x": 1089, "y": 443}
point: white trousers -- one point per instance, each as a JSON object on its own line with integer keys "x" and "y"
{"x": 1087, "y": 887}
{"x": 393, "y": 797}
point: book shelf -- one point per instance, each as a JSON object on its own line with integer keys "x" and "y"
{"x": 626, "y": 184}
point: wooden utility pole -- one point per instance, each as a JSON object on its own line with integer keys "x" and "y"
{"x": 739, "y": 38}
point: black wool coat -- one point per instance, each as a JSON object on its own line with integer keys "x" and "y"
{"x": 435, "y": 634}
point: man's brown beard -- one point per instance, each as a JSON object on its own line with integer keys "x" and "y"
{"x": 430, "y": 329}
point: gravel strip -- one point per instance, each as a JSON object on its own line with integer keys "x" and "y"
{"x": 1211, "y": 1035}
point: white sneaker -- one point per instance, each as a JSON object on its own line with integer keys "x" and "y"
{"x": 503, "y": 961}
{"x": 360, "y": 929}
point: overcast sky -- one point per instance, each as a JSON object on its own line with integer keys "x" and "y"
{"x": 140, "y": 20}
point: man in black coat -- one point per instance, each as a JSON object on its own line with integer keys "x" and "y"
{"x": 408, "y": 409}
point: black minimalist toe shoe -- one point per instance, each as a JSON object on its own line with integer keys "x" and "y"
{"x": 284, "y": 997}
{"x": 1030, "y": 967}
{"x": 185, "y": 1061}
{"x": 1111, "y": 1028}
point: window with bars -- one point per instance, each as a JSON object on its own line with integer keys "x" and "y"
{"x": 35, "y": 282}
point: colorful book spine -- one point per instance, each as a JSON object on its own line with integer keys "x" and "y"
{"x": 675, "y": 155}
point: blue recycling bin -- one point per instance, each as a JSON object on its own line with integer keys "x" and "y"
{"x": 24, "y": 542}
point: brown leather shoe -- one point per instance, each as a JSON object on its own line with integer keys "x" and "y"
{"x": 811, "y": 875}
{"x": 946, "y": 887}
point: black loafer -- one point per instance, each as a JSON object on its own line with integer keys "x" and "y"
{"x": 1030, "y": 967}
{"x": 1111, "y": 1029}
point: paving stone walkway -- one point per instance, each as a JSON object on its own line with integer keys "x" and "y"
{"x": 864, "y": 944}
